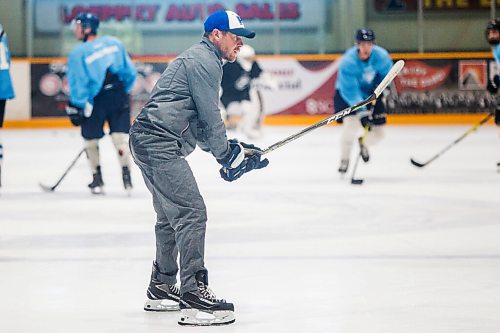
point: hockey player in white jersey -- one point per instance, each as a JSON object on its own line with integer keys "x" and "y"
{"x": 241, "y": 84}
{"x": 362, "y": 68}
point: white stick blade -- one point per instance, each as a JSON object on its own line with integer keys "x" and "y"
{"x": 396, "y": 68}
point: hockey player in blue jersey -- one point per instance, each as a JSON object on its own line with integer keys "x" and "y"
{"x": 6, "y": 89}
{"x": 362, "y": 68}
{"x": 100, "y": 75}
{"x": 493, "y": 37}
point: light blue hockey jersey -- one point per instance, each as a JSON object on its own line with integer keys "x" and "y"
{"x": 6, "y": 89}
{"x": 496, "y": 55}
{"x": 87, "y": 65}
{"x": 357, "y": 79}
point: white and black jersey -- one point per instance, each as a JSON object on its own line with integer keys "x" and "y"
{"x": 236, "y": 82}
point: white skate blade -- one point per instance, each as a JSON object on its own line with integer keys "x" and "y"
{"x": 194, "y": 317}
{"x": 161, "y": 305}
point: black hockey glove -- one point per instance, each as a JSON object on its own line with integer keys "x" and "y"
{"x": 493, "y": 85}
{"x": 497, "y": 115}
{"x": 75, "y": 114}
{"x": 250, "y": 163}
{"x": 366, "y": 120}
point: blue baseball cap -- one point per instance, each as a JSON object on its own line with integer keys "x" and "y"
{"x": 226, "y": 20}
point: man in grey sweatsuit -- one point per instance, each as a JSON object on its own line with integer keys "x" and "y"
{"x": 183, "y": 112}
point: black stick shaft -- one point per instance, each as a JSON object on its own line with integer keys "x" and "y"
{"x": 445, "y": 149}
{"x": 67, "y": 170}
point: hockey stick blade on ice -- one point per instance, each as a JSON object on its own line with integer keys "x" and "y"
{"x": 472, "y": 129}
{"x": 47, "y": 188}
{"x": 394, "y": 71}
{"x": 356, "y": 181}
{"x": 359, "y": 181}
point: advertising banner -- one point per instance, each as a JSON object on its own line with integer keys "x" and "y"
{"x": 152, "y": 15}
{"x": 307, "y": 87}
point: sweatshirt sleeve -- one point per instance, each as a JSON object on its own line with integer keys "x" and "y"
{"x": 204, "y": 78}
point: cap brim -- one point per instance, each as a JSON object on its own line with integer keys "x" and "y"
{"x": 243, "y": 32}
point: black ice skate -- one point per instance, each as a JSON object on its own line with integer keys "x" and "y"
{"x": 202, "y": 308}
{"x": 363, "y": 151}
{"x": 97, "y": 185}
{"x": 161, "y": 296}
{"x": 344, "y": 164}
{"x": 127, "y": 180}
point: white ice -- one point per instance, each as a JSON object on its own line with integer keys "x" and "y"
{"x": 296, "y": 248}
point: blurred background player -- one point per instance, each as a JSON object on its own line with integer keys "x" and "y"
{"x": 241, "y": 82}
{"x": 362, "y": 68}
{"x": 100, "y": 75}
{"x": 493, "y": 37}
{"x": 6, "y": 89}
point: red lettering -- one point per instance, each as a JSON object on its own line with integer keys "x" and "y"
{"x": 184, "y": 12}
{"x": 289, "y": 11}
{"x": 146, "y": 13}
{"x": 254, "y": 11}
{"x": 122, "y": 12}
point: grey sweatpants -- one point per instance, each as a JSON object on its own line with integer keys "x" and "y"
{"x": 181, "y": 217}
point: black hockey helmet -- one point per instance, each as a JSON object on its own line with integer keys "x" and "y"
{"x": 88, "y": 20}
{"x": 365, "y": 35}
{"x": 493, "y": 24}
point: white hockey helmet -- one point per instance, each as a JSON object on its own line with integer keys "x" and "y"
{"x": 247, "y": 52}
{"x": 246, "y": 57}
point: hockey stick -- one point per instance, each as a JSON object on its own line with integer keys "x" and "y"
{"x": 47, "y": 188}
{"x": 358, "y": 181}
{"x": 396, "y": 68}
{"x": 472, "y": 129}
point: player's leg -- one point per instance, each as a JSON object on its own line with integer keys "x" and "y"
{"x": 350, "y": 129}
{"x": 2, "y": 115}
{"x": 250, "y": 122}
{"x": 173, "y": 185}
{"x": 376, "y": 132}
{"x": 233, "y": 114}
{"x": 249, "y": 118}
{"x": 119, "y": 125}
{"x": 163, "y": 293}
{"x": 92, "y": 148}
{"x": 497, "y": 122}
{"x": 92, "y": 131}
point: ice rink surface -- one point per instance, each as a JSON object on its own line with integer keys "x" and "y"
{"x": 296, "y": 248}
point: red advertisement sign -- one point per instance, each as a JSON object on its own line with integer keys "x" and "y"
{"x": 420, "y": 76}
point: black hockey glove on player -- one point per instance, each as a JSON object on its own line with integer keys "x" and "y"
{"x": 366, "y": 119}
{"x": 75, "y": 114}
{"x": 493, "y": 85}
